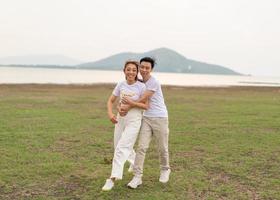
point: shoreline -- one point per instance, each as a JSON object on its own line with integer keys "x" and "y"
{"x": 95, "y": 85}
{"x": 90, "y": 77}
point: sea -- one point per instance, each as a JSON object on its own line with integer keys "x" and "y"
{"x": 35, "y": 75}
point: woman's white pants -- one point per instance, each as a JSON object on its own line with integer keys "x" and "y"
{"x": 125, "y": 135}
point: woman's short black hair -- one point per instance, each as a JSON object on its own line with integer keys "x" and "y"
{"x": 149, "y": 60}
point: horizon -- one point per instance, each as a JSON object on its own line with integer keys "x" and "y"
{"x": 242, "y": 36}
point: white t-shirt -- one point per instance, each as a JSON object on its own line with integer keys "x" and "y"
{"x": 157, "y": 107}
{"x": 134, "y": 91}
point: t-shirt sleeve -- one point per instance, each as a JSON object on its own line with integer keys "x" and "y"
{"x": 143, "y": 89}
{"x": 152, "y": 86}
{"x": 116, "y": 91}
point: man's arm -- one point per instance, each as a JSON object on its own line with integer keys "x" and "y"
{"x": 143, "y": 102}
{"x": 147, "y": 94}
{"x": 132, "y": 104}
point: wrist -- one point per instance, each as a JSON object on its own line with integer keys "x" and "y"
{"x": 133, "y": 104}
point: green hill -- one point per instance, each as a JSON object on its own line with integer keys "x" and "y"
{"x": 167, "y": 61}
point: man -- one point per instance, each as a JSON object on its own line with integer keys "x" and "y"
{"x": 154, "y": 124}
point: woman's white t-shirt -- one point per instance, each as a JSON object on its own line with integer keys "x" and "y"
{"x": 133, "y": 91}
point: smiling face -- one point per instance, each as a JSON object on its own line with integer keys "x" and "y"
{"x": 145, "y": 69}
{"x": 131, "y": 71}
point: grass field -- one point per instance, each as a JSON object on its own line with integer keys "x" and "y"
{"x": 56, "y": 143}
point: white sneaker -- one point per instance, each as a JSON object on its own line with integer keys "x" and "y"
{"x": 135, "y": 182}
{"x": 108, "y": 185}
{"x": 130, "y": 169}
{"x": 164, "y": 176}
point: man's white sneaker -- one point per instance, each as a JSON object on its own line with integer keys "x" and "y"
{"x": 164, "y": 176}
{"x": 130, "y": 169}
{"x": 135, "y": 182}
{"x": 108, "y": 185}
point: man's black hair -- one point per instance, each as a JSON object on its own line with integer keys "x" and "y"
{"x": 149, "y": 60}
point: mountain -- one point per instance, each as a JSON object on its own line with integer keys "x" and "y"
{"x": 167, "y": 61}
{"x": 39, "y": 60}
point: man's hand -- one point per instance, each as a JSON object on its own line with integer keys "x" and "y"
{"x": 113, "y": 118}
{"x": 126, "y": 100}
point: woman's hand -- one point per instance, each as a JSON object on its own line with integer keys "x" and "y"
{"x": 113, "y": 118}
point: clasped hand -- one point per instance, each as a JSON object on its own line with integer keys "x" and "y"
{"x": 126, "y": 104}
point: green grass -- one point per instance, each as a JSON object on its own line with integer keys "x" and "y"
{"x": 56, "y": 143}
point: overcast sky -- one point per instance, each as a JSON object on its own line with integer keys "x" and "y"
{"x": 243, "y": 35}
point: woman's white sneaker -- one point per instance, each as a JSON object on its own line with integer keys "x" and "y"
{"x": 164, "y": 176}
{"x": 135, "y": 182}
{"x": 108, "y": 185}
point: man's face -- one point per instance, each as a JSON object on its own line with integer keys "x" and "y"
{"x": 145, "y": 69}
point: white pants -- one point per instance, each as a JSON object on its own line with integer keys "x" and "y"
{"x": 125, "y": 135}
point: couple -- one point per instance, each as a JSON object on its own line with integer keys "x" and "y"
{"x": 134, "y": 97}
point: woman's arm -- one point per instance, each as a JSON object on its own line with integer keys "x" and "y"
{"x": 110, "y": 113}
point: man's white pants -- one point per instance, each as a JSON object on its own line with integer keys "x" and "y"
{"x": 125, "y": 135}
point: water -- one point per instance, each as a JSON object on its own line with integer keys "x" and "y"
{"x": 21, "y": 75}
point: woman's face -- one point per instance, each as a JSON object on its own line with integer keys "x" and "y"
{"x": 130, "y": 72}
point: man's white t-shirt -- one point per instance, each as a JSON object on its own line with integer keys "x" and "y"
{"x": 157, "y": 107}
{"x": 133, "y": 91}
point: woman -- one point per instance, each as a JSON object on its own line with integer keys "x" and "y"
{"x": 126, "y": 127}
